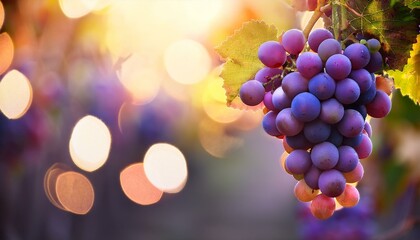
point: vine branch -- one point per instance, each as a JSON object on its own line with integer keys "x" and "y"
{"x": 315, "y": 16}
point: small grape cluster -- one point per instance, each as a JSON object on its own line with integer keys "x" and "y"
{"x": 317, "y": 101}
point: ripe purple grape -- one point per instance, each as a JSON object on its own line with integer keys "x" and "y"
{"x": 298, "y": 162}
{"x": 347, "y": 91}
{"x": 328, "y": 48}
{"x": 252, "y": 92}
{"x": 338, "y": 66}
{"x": 272, "y": 54}
{"x": 293, "y": 41}
{"x": 269, "y": 124}
{"x": 268, "y": 101}
{"x": 373, "y": 45}
{"x": 264, "y": 74}
{"x": 312, "y": 176}
{"x": 293, "y": 84}
{"x": 375, "y": 63}
{"x": 287, "y": 123}
{"x": 324, "y": 155}
{"x": 317, "y": 131}
{"x": 332, "y": 183}
{"x": 352, "y": 123}
{"x": 298, "y": 141}
{"x": 317, "y": 36}
{"x": 305, "y": 107}
{"x": 332, "y": 111}
{"x": 380, "y": 105}
{"x": 358, "y": 54}
{"x": 280, "y": 99}
{"x": 335, "y": 137}
{"x": 347, "y": 160}
{"x": 322, "y": 86}
{"x": 363, "y": 79}
{"x": 364, "y": 149}
{"x": 309, "y": 64}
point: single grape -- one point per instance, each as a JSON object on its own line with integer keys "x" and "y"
{"x": 252, "y": 92}
{"x": 363, "y": 79}
{"x": 347, "y": 91}
{"x": 324, "y": 155}
{"x": 317, "y": 131}
{"x": 355, "y": 175}
{"x": 367, "y": 96}
{"x": 375, "y": 63}
{"x": 347, "y": 160}
{"x": 358, "y": 54}
{"x": 305, "y": 107}
{"x": 298, "y": 161}
{"x": 380, "y": 105}
{"x": 269, "y": 124}
{"x": 286, "y": 146}
{"x": 368, "y": 129}
{"x": 280, "y": 99}
{"x": 293, "y": 41}
{"x": 264, "y": 75}
{"x": 309, "y": 64}
{"x": 364, "y": 149}
{"x": 272, "y": 54}
{"x": 322, "y": 207}
{"x": 373, "y": 44}
{"x": 312, "y": 4}
{"x": 293, "y": 84}
{"x": 322, "y": 86}
{"x": 350, "y": 196}
{"x": 268, "y": 101}
{"x": 332, "y": 183}
{"x": 317, "y": 36}
{"x": 298, "y": 141}
{"x": 338, "y": 66}
{"x": 311, "y": 177}
{"x": 328, "y": 48}
{"x": 351, "y": 124}
{"x": 384, "y": 84}
{"x": 335, "y": 137}
{"x": 303, "y": 192}
{"x": 360, "y": 108}
{"x": 332, "y": 111}
{"x": 287, "y": 124}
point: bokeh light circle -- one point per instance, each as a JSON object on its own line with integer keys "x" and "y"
{"x": 77, "y": 8}
{"x": 187, "y": 61}
{"x": 165, "y": 167}
{"x": 90, "y": 143}
{"x": 15, "y": 94}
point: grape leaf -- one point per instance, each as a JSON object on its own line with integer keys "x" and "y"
{"x": 408, "y": 80}
{"x": 240, "y": 51}
{"x": 412, "y": 3}
{"x": 394, "y": 24}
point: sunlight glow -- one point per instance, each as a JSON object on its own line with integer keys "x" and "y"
{"x": 137, "y": 187}
{"x": 77, "y": 8}
{"x": 90, "y": 143}
{"x": 165, "y": 167}
{"x": 187, "y": 61}
{"x": 15, "y": 94}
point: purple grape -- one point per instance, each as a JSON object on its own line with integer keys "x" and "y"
{"x": 309, "y": 64}
{"x": 367, "y": 96}
{"x": 335, "y": 137}
{"x": 347, "y": 91}
{"x": 368, "y": 129}
{"x": 293, "y": 84}
{"x": 332, "y": 111}
{"x": 298, "y": 141}
{"x": 293, "y": 41}
{"x": 317, "y": 36}
{"x": 332, "y": 183}
{"x": 280, "y": 99}
{"x": 338, "y": 66}
{"x": 364, "y": 149}
{"x": 360, "y": 108}
{"x": 363, "y": 79}
{"x": 353, "y": 141}
{"x": 252, "y": 92}
{"x": 375, "y": 63}
{"x": 358, "y": 54}
{"x": 352, "y": 123}
{"x": 380, "y": 105}
{"x": 264, "y": 75}
{"x": 322, "y": 86}
{"x": 272, "y": 54}
{"x": 317, "y": 131}
{"x": 268, "y": 101}
{"x": 287, "y": 124}
{"x": 312, "y": 176}
{"x": 298, "y": 161}
{"x": 269, "y": 124}
{"x": 328, "y": 48}
{"x": 305, "y": 107}
{"x": 347, "y": 160}
{"x": 324, "y": 155}
{"x": 373, "y": 45}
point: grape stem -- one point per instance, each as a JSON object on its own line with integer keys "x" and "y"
{"x": 315, "y": 16}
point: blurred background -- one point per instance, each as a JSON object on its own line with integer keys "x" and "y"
{"x": 147, "y": 69}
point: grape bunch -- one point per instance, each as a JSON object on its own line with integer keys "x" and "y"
{"x": 317, "y": 97}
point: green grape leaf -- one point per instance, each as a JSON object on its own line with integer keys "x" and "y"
{"x": 408, "y": 80}
{"x": 240, "y": 51}
{"x": 394, "y": 24}
{"x": 412, "y": 3}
